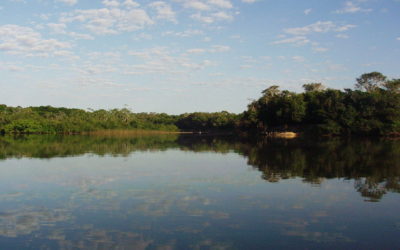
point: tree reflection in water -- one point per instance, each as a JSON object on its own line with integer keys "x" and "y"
{"x": 372, "y": 163}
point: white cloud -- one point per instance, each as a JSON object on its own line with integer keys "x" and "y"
{"x": 22, "y": 40}
{"x": 296, "y": 40}
{"x": 196, "y": 51}
{"x": 307, "y": 11}
{"x": 246, "y": 66}
{"x": 319, "y": 27}
{"x": 320, "y": 49}
{"x": 111, "y": 3}
{"x": 110, "y": 56}
{"x": 44, "y": 16}
{"x": 57, "y": 27}
{"x": 335, "y": 67}
{"x": 249, "y": 1}
{"x": 221, "y": 3}
{"x": 206, "y": 5}
{"x": 69, "y": 2}
{"x": 67, "y": 54}
{"x": 398, "y": 38}
{"x": 197, "y": 5}
{"x": 197, "y": 66}
{"x": 80, "y": 36}
{"x": 213, "y": 49}
{"x": 201, "y": 18}
{"x": 161, "y": 60}
{"x": 249, "y": 59}
{"x": 96, "y": 69}
{"x": 60, "y": 28}
{"x": 300, "y": 34}
{"x": 131, "y": 4}
{"x": 185, "y": 33}
{"x": 142, "y": 36}
{"x": 157, "y": 52}
{"x": 345, "y": 27}
{"x": 298, "y": 59}
{"x": 109, "y": 21}
{"x": 164, "y": 11}
{"x": 13, "y": 67}
{"x": 213, "y": 17}
{"x": 209, "y": 11}
{"x": 222, "y": 15}
{"x": 352, "y": 7}
{"x": 342, "y": 36}
{"x": 220, "y": 48}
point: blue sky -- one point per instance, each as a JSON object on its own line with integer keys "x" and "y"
{"x": 188, "y": 55}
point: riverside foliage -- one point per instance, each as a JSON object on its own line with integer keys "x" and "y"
{"x": 372, "y": 108}
{"x": 51, "y": 120}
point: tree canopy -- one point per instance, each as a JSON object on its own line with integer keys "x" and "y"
{"x": 370, "y": 81}
{"x": 372, "y": 108}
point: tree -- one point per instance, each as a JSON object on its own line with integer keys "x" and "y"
{"x": 370, "y": 81}
{"x": 310, "y": 87}
{"x": 271, "y": 91}
{"x": 393, "y": 85}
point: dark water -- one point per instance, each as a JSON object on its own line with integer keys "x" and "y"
{"x": 198, "y": 192}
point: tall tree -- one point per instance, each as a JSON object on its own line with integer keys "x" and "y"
{"x": 271, "y": 91}
{"x": 310, "y": 87}
{"x": 370, "y": 81}
{"x": 393, "y": 85}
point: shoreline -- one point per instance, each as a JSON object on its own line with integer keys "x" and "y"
{"x": 290, "y": 134}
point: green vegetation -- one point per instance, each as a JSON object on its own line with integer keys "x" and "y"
{"x": 200, "y": 121}
{"x": 50, "y": 120}
{"x": 46, "y": 119}
{"x": 373, "y": 108}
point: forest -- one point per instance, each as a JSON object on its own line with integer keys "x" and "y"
{"x": 371, "y": 108}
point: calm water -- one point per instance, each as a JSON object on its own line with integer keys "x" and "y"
{"x": 198, "y": 192}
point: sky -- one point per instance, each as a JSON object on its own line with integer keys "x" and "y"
{"x": 182, "y": 56}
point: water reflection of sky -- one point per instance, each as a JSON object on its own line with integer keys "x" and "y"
{"x": 178, "y": 200}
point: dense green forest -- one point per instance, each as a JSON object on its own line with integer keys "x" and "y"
{"x": 373, "y": 107}
{"x": 50, "y": 120}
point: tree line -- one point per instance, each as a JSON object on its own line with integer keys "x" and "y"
{"x": 373, "y": 107}
{"x": 51, "y": 120}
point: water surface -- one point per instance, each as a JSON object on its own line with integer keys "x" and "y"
{"x": 198, "y": 192}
